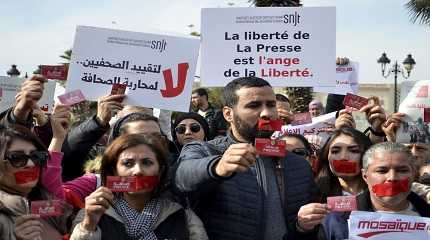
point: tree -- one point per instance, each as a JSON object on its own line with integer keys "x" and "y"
{"x": 300, "y": 97}
{"x": 419, "y": 11}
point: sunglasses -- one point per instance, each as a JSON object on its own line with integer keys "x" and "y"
{"x": 301, "y": 152}
{"x": 20, "y": 159}
{"x": 194, "y": 127}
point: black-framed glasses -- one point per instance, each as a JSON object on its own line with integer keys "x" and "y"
{"x": 301, "y": 152}
{"x": 194, "y": 127}
{"x": 20, "y": 159}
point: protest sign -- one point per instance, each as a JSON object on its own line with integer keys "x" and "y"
{"x": 387, "y": 226}
{"x": 10, "y": 87}
{"x": 157, "y": 69}
{"x": 414, "y": 128}
{"x": 316, "y": 132}
{"x": 286, "y": 46}
{"x": 346, "y": 80}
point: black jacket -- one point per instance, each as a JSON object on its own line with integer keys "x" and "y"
{"x": 234, "y": 208}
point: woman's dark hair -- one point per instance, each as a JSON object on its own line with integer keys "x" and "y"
{"x": 120, "y": 126}
{"x": 13, "y": 132}
{"x": 327, "y": 182}
{"x": 191, "y": 115}
{"x": 123, "y": 142}
{"x": 302, "y": 139}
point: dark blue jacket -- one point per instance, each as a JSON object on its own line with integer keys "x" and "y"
{"x": 335, "y": 225}
{"x": 234, "y": 207}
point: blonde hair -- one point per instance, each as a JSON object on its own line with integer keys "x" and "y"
{"x": 93, "y": 165}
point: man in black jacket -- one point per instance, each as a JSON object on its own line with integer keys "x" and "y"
{"x": 238, "y": 194}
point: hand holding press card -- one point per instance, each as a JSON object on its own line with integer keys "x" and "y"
{"x": 54, "y": 72}
{"x": 72, "y": 98}
{"x": 355, "y": 101}
{"x": 342, "y": 203}
{"x": 118, "y": 89}
{"x": 270, "y": 147}
{"x": 48, "y": 208}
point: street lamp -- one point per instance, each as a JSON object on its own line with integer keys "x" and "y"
{"x": 13, "y": 72}
{"x": 408, "y": 65}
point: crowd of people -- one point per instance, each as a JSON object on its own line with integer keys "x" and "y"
{"x": 200, "y": 177}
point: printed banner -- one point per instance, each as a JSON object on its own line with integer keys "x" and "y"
{"x": 414, "y": 129}
{"x": 346, "y": 80}
{"x": 387, "y": 226}
{"x": 9, "y": 87}
{"x": 157, "y": 69}
{"x": 287, "y": 46}
{"x": 316, "y": 132}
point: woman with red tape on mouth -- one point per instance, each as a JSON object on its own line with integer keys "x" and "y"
{"x": 142, "y": 212}
{"x": 341, "y": 162}
{"x": 339, "y": 174}
{"x": 22, "y": 158}
{"x": 388, "y": 170}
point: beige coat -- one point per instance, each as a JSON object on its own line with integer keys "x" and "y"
{"x": 195, "y": 225}
{"x": 13, "y": 206}
{"x": 421, "y": 190}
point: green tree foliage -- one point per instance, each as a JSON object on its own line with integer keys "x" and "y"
{"x": 419, "y": 11}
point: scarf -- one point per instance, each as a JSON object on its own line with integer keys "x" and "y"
{"x": 139, "y": 225}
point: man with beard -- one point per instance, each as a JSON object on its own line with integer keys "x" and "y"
{"x": 388, "y": 170}
{"x": 238, "y": 194}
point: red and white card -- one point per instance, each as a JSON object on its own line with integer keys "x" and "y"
{"x": 72, "y": 98}
{"x": 270, "y": 147}
{"x": 301, "y": 118}
{"x": 54, "y": 72}
{"x": 342, "y": 203}
{"x": 270, "y": 125}
{"x": 355, "y": 101}
{"x": 426, "y": 114}
{"x": 121, "y": 184}
{"x": 48, "y": 208}
{"x": 118, "y": 89}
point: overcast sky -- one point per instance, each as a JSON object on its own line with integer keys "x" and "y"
{"x": 37, "y": 32}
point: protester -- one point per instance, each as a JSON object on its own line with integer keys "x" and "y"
{"x": 22, "y": 161}
{"x": 189, "y": 127}
{"x": 234, "y": 191}
{"x": 341, "y": 161}
{"x": 284, "y": 108}
{"x": 298, "y": 144}
{"x": 316, "y": 108}
{"x": 82, "y": 138}
{"x": 388, "y": 170}
{"x": 137, "y": 215}
{"x": 200, "y": 102}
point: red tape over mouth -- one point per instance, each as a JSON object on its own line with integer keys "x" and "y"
{"x": 145, "y": 182}
{"x": 269, "y": 125}
{"x": 345, "y": 166}
{"x": 392, "y": 188}
{"x": 27, "y": 175}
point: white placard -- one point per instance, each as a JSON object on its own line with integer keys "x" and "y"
{"x": 387, "y": 226}
{"x": 346, "y": 80}
{"x": 9, "y": 87}
{"x": 158, "y": 69}
{"x": 414, "y": 129}
{"x": 286, "y": 46}
{"x": 316, "y": 132}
